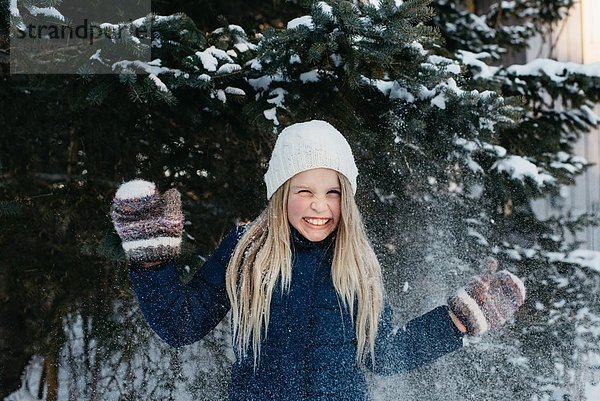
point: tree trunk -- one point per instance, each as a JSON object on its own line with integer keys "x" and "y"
{"x": 13, "y": 357}
{"x": 51, "y": 369}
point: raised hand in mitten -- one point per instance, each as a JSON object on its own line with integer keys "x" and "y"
{"x": 150, "y": 224}
{"x": 488, "y": 300}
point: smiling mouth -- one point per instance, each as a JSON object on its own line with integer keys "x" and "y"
{"x": 318, "y": 222}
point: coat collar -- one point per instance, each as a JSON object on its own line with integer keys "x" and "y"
{"x": 300, "y": 240}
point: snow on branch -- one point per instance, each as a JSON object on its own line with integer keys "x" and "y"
{"x": 582, "y": 257}
{"x": 46, "y": 11}
{"x": 555, "y": 70}
{"x": 519, "y": 168}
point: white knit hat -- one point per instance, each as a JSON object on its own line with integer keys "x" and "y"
{"x": 304, "y": 146}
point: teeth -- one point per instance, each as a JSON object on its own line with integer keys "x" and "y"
{"x": 317, "y": 222}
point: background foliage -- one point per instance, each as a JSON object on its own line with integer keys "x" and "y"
{"x": 437, "y": 123}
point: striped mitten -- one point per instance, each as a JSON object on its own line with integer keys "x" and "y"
{"x": 150, "y": 224}
{"x": 488, "y": 300}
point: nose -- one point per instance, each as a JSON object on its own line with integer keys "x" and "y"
{"x": 318, "y": 205}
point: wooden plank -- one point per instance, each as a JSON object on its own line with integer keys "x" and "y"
{"x": 590, "y": 16}
{"x": 567, "y": 38}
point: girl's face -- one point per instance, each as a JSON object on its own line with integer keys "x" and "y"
{"x": 314, "y": 203}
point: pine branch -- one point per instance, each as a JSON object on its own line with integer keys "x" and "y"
{"x": 10, "y": 209}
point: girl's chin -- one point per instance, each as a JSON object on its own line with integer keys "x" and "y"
{"x": 316, "y": 237}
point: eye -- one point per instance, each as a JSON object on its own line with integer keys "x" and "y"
{"x": 303, "y": 191}
{"x": 334, "y": 192}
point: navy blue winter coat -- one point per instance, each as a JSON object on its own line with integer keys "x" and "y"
{"x": 310, "y": 350}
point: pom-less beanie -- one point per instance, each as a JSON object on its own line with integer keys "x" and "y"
{"x": 308, "y": 145}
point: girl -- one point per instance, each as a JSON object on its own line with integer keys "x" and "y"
{"x": 302, "y": 281}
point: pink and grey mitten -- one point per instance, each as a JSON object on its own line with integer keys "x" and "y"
{"x": 150, "y": 224}
{"x": 488, "y": 300}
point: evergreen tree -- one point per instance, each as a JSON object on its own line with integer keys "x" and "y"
{"x": 451, "y": 146}
{"x": 558, "y": 111}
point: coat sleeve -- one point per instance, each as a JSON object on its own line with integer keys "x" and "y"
{"x": 421, "y": 341}
{"x": 183, "y": 314}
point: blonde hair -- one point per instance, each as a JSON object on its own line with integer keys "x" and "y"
{"x": 263, "y": 255}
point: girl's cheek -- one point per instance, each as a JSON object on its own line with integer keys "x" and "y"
{"x": 295, "y": 206}
{"x": 335, "y": 208}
